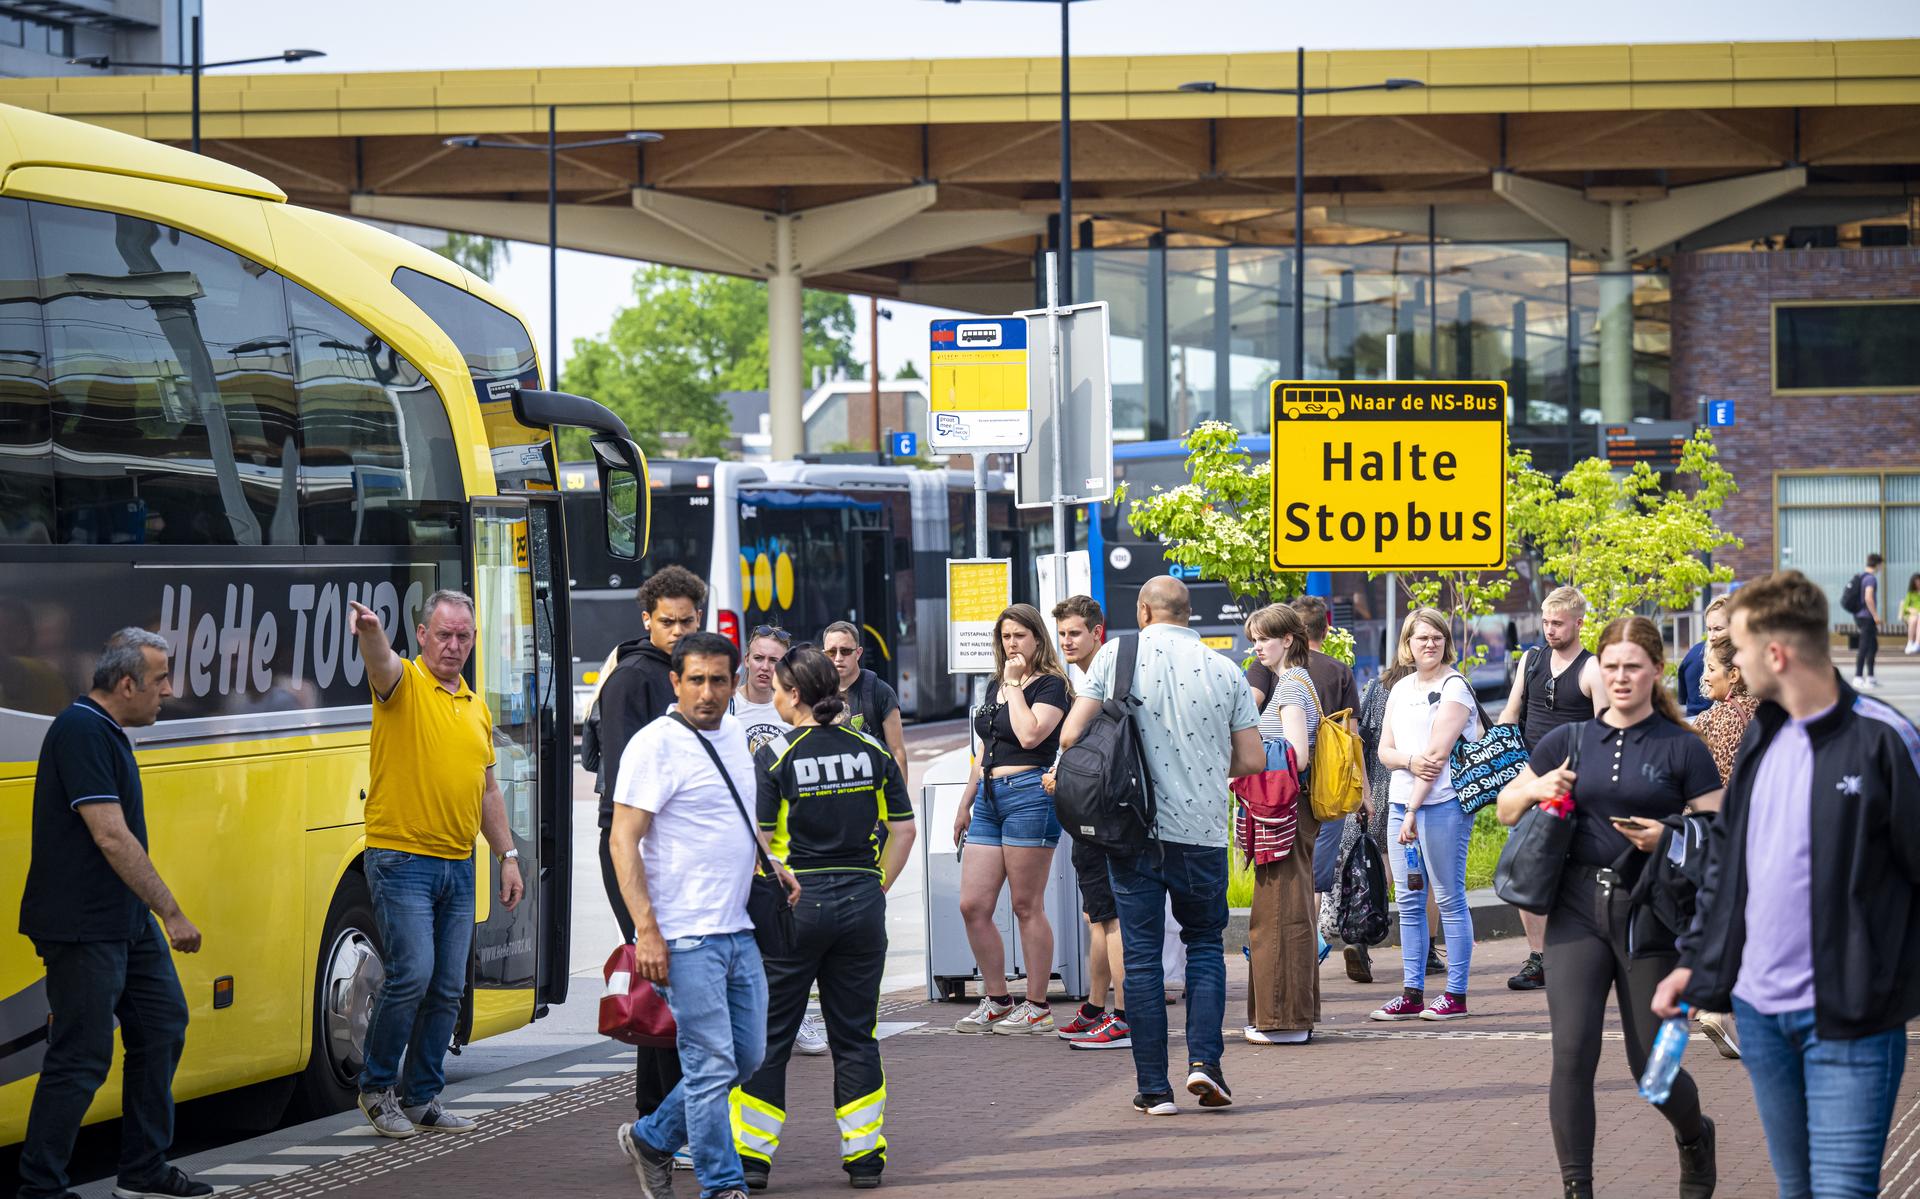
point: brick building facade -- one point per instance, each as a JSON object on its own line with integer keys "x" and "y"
{"x": 1723, "y": 350}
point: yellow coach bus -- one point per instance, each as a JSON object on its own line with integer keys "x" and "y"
{"x": 223, "y": 417}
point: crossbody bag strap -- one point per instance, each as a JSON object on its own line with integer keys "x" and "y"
{"x": 753, "y": 830}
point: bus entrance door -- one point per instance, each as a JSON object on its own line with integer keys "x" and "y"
{"x": 876, "y": 607}
{"x": 513, "y": 584}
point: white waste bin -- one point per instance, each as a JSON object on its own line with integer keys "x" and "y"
{"x": 950, "y": 964}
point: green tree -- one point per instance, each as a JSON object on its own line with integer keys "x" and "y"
{"x": 1624, "y": 540}
{"x": 1466, "y": 596}
{"x": 907, "y": 370}
{"x": 687, "y": 337}
{"x": 1221, "y": 520}
{"x": 481, "y": 255}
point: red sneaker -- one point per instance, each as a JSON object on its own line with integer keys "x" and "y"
{"x": 1081, "y": 1024}
{"x": 1445, "y": 1008}
{"x": 1111, "y": 1033}
{"x": 1400, "y": 1007}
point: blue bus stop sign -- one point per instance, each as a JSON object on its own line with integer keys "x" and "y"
{"x": 1719, "y": 413}
{"x": 904, "y": 445}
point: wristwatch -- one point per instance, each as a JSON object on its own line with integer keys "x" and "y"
{"x": 512, "y": 855}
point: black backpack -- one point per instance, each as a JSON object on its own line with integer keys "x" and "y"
{"x": 1362, "y": 913}
{"x": 1851, "y": 595}
{"x": 1102, "y": 791}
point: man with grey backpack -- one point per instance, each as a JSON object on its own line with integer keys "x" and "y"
{"x": 1196, "y": 726}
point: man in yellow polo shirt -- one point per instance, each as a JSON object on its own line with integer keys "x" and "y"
{"x": 431, "y": 793}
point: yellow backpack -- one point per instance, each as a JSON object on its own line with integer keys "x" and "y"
{"x": 1337, "y": 782}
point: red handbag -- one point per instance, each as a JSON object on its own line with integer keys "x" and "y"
{"x": 630, "y": 1009}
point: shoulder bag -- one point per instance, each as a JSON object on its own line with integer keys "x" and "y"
{"x": 1528, "y": 873}
{"x": 767, "y": 904}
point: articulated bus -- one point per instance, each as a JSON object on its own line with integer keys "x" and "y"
{"x": 222, "y": 418}
{"x": 800, "y": 545}
{"x": 1123, "y": 560}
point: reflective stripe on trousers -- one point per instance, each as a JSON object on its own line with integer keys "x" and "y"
{"x": 756, "y": 1125}
{"x": 860, "y": 1123}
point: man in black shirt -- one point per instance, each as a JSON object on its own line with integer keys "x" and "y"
{"x": 872, "y": 707}
{"x": 90, "y": 888}
{"x": 1552, "y": 687}
{"x": 638, "y": 692}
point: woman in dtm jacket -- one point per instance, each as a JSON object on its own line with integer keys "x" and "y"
{"x": 1806, "y": 921}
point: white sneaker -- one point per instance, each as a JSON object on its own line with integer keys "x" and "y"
{"x": 1026, "y": 1018}
{"x": 1276, "y": 1036}
{"x": 1871, "y": 684}
{"x": 1858, "y": 682}
{"x": 431, "y": 1117}
{"x": 382, "y": 1111}
{"x": 812, "y": 1037}
{"x": 983, "y": 1017}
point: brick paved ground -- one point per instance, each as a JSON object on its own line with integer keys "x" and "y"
{"x": 1367, "y": 1110}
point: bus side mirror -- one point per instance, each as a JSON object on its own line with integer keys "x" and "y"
{"x": 623, "y": 489}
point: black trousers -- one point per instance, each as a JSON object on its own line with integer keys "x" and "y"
{"x": 840, "y": 942}
{"x": 1586, "y": 956}
{"x": 1869, "y": 648}
{"x": 655, "y": 1071}
{"x": 90, "y": 984}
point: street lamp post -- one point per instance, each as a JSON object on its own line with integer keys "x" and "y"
{"x": 552, "y": 150}
{"x": 1066, "y": 144}
{"x": 1300, "y": 91}
{"x": 193, "y": 67}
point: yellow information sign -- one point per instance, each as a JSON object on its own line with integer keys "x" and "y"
{"x": 1389, "y": 476}
{"x": 978, "y": 590}
{"x": 977, "y": 395}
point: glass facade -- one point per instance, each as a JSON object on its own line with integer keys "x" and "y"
{"x": 1199, "y": 333}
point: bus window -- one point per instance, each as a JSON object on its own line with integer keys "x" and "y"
{"x": 378, "y": 464}
{"x": 494, "y": 344}
{"x": 26, "y": 430}
{"x": 172, "y": 386}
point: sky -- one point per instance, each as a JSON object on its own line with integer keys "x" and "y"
{"x": 382, "y": 35}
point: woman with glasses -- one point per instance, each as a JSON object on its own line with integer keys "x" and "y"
{"x": 1006, "y": 824}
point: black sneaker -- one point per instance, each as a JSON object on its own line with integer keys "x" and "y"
{"x": 1205, "y": 1080}
{"x": 758, "y": 1173}
{"x": 1532, "y": 976}
{"x": 1155, "y": 1105}
{"x": 1698, "y": 1170}
{"x": 865, "y": 1180}
{"x": 173, "y": 1184}
{"x": 1436, "y": 962}
{"x": 653, "y": 1168}
{"x": 1359, "y": 963}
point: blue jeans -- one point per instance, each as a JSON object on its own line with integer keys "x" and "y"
{"x": 1326, "y": 851}
{"x": 1825, "y": 1105}
{"x": 717, "y": 990}
{"x": 1442, "y": 831}
{"x": 1015, "y": 811}
{"x": 1194, "y": 877}
{"x": 423, "y": 907}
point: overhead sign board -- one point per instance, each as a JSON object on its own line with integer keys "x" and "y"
{"x": 1388, "y": 475}
{"x": 1720, "y": 413}
{"x": 1086, "y": 411}
{"x": 978, "y": 591}
{"x": 977, "y": 397}
{"x": 1658, "y": 443}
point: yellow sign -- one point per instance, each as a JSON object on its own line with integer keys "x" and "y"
{"x": 978, "y": 590}
{"x": 1389, "y": 476}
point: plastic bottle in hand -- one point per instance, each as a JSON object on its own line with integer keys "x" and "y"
{"x": 1668, "y": 1046}
{"x": 1416, "y": 874}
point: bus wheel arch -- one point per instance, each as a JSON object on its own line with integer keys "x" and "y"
{"x": 347, "y": 977}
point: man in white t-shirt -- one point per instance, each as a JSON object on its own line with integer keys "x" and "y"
{"x": 684, "y": 849}
{"x": 752, "y": 705}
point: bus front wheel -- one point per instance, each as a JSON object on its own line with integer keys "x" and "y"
{"x": 347, "y": 979}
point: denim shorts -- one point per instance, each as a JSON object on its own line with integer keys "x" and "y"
{"x": 1014, "y": 811}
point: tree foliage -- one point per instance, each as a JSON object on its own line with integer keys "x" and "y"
{"x": 481, "y": 255}
{"x": 1623, "y": 540}
{"x": 1220, "y": 521}
{"x": 687, "y": 337}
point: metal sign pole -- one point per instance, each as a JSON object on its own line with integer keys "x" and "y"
{"x": 1058, "y": 385}
{"x": 1392, "y": 640}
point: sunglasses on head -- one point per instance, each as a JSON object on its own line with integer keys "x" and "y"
{"x": 771, "y": 630}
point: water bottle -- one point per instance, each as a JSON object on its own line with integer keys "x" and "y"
{"x": 1668, "y": 1044}
{"x": 1416, "y": 875}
